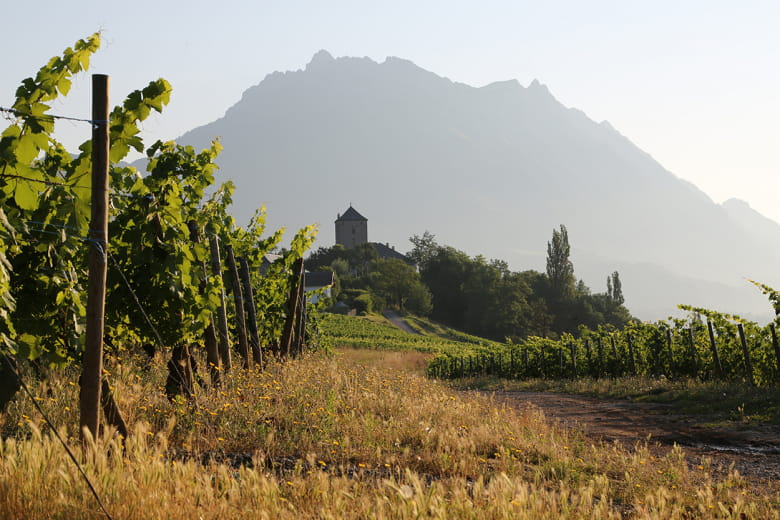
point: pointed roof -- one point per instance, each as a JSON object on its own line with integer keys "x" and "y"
{"x": 351, "y": 214}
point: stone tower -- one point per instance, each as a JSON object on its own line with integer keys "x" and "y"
{"x": 351, "y": 228}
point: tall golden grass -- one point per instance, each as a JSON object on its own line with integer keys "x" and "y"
{"x": 353, "y": 435}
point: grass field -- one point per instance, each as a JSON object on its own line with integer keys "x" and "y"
{"x": 357, "y": 433}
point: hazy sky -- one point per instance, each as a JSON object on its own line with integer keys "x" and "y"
{"x": 696, "y": 84}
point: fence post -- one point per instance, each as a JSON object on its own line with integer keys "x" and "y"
{"x": 748, "y": 364}
{"x": 631, "y": 353}
{"x": 600, "y": 350}
{"x": 692, "y": 345}
{"x": 669, "y": 344}
{"x": 210, "y": 334}
{"x": 238, "y": 300}
{"x": 573, "y": 349}
{"x": 588, "y": 356}
{"x": 251, "y": 312}
{"x": 714, "y": 348}
{"x": 292, "y": 307}
{"x": 92, "y": 361}
{"x": 560, "y": 360}
{"x": 775, "y": 345}
{"x": 111, "y": 410}
{"x": 525, "y": 360}
{"x": 512, "y": 369}
{"x": 222, "y": 324}
{"x": 618, "y": 363}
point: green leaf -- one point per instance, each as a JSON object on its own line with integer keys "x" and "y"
{"x": 26, "y": 196}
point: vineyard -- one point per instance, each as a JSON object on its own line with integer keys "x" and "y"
{"x": 362, "y": 332}
{"x": 269, "y": 427}
{"x": 708, "y": 345}
{"x": 181, "y": 277}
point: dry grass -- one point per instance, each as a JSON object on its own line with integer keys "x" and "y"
{"x": 357, "y": 435}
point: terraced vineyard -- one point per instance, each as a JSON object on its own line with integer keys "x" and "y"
{"x": 375, "y": 333}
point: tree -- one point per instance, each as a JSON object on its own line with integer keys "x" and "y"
{"x": 444, "y": 274}
{"x": 615, "y": 289}
{"x": 560, "y": 270}
{"x": 399, "y": 284}
{"x": 425, "y": 247}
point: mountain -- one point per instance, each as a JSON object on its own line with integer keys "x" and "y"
{"x": 489, "y": 170}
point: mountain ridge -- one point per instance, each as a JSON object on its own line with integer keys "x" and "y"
{"x": 490, "y": 170}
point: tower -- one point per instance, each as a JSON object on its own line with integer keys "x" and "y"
{"x": 351, "y": 228}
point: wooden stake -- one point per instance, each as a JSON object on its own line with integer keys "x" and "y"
{"x": 776, "y": 346}
{"x": 714, "y": 349}
{"x": 251, "y": 313}
{"x": 292, "y": 307}
{"x": 210, "y": 334}
{"x": 618, "y": 362}
{"x": 222, "y": 324}
{"x": 573, "y": 350}
{"x": 692, "y": 345}
{"x": 631, "y": 354}
{"x": 746, "y": 353}
{"x": 111, "y": 410}
{"x": 600, "y": 350}
{"x": 92, "y": 366}
{"x": 669, "y": 343}
{"x": 300, "y": 318}
{"x": 238, "y": 299}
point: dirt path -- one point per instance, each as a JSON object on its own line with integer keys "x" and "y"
{"x": 754, "y": 451}
{"x": 396, "y": 320}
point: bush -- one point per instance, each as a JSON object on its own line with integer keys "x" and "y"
{"x": 363, "y": 303}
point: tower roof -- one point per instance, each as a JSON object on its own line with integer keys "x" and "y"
{"x": 351, "y": 214}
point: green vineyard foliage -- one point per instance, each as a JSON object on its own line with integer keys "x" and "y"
{"x": 160, "y": 285}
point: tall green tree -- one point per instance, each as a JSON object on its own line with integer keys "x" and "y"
{"x": 560, "y": 270}
{"x": 615, "y": 289}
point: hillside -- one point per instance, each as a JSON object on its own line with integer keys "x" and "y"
{"x": 488, "y": 170}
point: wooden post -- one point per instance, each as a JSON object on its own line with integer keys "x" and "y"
{"x": 210, "y": 334}
{"x": 714, "y": 349}
{"x": 776, "y": 346}
{"x": 300, "y": 318}
{"x": 669, "y": 343}
{"x": 111, "y": 410}
{"x": 618, "y": 363}
{"x": 748, "y": 364}
{"x": 238, "y": 300}
{"x": 222, "y": 324}
{"x": 560, "y": 360}
{"x": 526, "y": 368}
{"x": 251, "y": 313}
{"x": 588, "y": 357}
{"x": 92, "y": 365}
{"x": 292, "y": 306}
{"x": 573, "y": 350}
{"x": 692, "y": 345}
{"x": 631, "y": 354}
{"x": 600, "y": 350}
